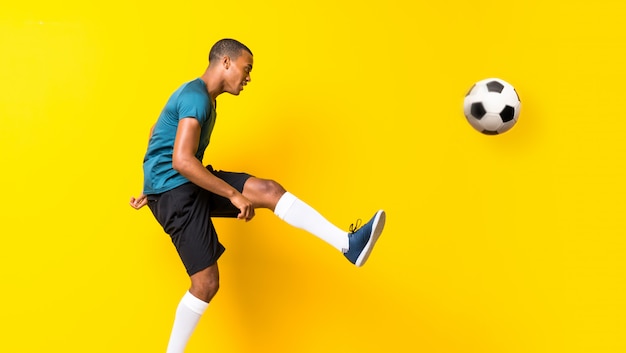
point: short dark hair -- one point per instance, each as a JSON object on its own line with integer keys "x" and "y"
{"x": 227, "y": 46}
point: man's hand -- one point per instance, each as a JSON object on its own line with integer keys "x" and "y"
{"x": 244, "y": 205}
{"x": 139, "y": 202}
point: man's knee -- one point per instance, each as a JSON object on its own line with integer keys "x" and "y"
{"x": 264, "y": 190}
{"x": 205, "y": 290}
{"x": 270, "y": 187}
{"x": 264, "y": 193}
{"x": 205, "y": 284}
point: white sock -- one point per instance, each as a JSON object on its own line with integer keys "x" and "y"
{"x": 298, "y": 214}
{"x": 188, "y": 313}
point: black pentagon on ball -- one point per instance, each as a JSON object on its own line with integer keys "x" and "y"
{"x": 495, "y": 86}
{"x": 477, "y": 110}
{"x": 489, "y": 132}
{"x": 507, "y": 114}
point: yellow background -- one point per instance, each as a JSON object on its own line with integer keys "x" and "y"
{"x": 513, "y": 243}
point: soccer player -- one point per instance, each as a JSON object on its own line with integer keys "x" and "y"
{"x": 183, "y": 194}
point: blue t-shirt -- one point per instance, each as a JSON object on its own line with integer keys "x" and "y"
{"x": 190, "y": 100}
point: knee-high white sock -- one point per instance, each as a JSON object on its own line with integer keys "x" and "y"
{"x": 297, "y": 213}
{"x": 188, "y": 313}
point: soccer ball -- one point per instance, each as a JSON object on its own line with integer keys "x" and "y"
{"x": 492, "y": 106}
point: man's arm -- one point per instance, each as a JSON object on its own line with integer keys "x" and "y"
{"x": 142, "y": 200}
{"x": 185, "y": 162}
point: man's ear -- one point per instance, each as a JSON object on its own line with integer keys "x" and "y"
{"x": 226, "y": 61}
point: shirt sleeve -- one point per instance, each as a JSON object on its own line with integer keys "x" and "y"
{"x": 195, "y": 105}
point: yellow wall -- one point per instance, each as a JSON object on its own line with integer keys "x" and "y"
{"x": 502, "y": 244}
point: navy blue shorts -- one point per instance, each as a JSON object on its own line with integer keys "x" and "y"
{"x": 185, "y": 214}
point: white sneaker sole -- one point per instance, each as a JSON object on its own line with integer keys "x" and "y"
{"x": 377, "y": 229}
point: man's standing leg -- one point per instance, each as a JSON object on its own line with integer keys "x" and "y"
{"x": 204, "y": 286}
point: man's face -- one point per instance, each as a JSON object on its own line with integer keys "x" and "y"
{"x": 238, "y": 73}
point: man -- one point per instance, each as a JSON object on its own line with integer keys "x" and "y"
{"x": 183, "y": 195}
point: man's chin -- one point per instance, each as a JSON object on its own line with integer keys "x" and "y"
{"x": 235, "y": 92}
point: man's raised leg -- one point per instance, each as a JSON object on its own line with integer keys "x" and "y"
{"x": 356, "y": 245}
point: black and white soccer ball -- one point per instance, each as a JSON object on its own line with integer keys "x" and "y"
{"x": 492, "y": 106}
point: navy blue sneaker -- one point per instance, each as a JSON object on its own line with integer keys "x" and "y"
{"x": 362, "y": 239}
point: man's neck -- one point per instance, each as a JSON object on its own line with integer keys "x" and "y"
{"x": 213, "y": 83}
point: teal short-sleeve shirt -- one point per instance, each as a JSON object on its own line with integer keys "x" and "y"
{"x": 191, "y": 100}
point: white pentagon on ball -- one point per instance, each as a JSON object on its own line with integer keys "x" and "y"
{"x": 492, "y": 106}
